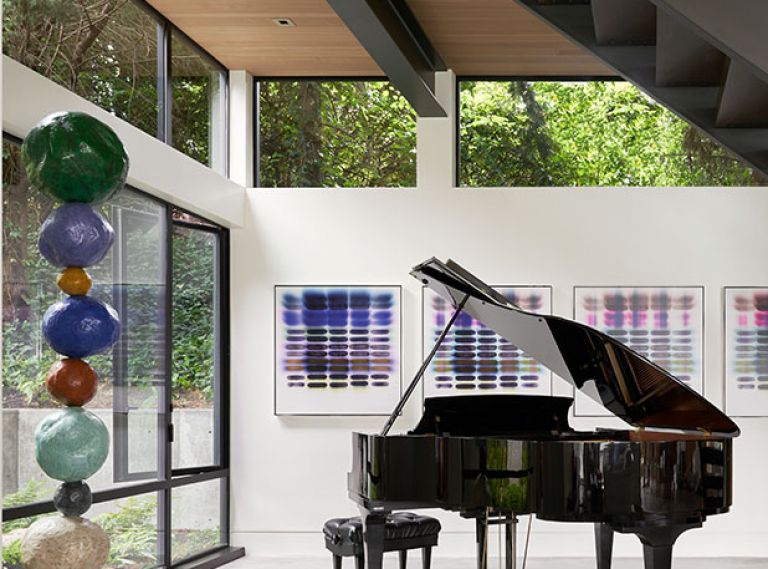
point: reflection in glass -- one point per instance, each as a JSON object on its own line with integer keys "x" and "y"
{"x": 198, "y": 107}
{"x": 195, "y": 365}
{"x": 196, "y": 523}
{"x": 132, "y": 279}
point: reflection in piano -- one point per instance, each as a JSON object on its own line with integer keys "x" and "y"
{"x": 504, "y": 455}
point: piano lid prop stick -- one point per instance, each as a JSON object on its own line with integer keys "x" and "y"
{"x": 423, "y": 368}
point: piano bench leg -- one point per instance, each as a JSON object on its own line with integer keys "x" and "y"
{"x": 337, "y": 562}
{"x": 403, "y": 558}
{"x": 360, "y": 561}
{"x": 603, "y": 545}
{"x": 426, "y": 557}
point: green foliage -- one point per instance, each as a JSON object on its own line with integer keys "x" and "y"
{"x": 583, "y": 134}
{"x": 132, "y": 532}
{"x": 336, "y": 134}
{"x": 106, "y": 52}
{"x": 103, "y": 50}
{"x": 193, "y": 312}
{"x": 12, "y": 555}
{"x": 33, "y": 491}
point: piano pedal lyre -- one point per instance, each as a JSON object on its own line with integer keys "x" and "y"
{"x": 482, "y": 524}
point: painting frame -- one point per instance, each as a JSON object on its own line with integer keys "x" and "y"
{"x": 425, "y": 392}
{"x": 729, "y": 402}
{"x": 286, "y": 409}
{"x": 594, "y": 409}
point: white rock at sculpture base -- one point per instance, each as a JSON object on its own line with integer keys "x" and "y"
{"x": 64, "y": 543}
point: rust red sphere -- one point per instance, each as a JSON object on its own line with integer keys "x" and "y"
{"x": 72, "y": 382}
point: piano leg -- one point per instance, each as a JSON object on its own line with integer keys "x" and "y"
{"x": 603, "y": 545}
{"x": 658, "y": 542}
{"x": 481, "y": 533}
{"x": 510, "y": 530}
{"x": 373, "y": 534}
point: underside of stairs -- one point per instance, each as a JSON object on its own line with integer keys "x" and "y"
{"x": 706, "y": 60}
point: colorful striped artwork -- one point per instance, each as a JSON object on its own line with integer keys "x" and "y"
{"x": 337, "y": 350}
{"x": 664, "y": 325}
{"x": 474, "y": 359}
{"x": 746, "y": 352}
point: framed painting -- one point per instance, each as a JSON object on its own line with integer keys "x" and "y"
{"x": 746, "y": 351}
{"x": 337, "y": 350}
{"x": 473, "y": 359}
{"x": 663, "y": 324}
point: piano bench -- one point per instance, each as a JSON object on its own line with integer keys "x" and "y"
{"x": 403, "y": 531}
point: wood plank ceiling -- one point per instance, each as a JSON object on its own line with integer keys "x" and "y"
{"x": 474, "y": 37}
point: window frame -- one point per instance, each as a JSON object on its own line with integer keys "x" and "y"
{"x": 165, "y": 29}
{"x": 169, "y": 478}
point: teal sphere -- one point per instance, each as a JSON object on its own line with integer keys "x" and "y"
{"x": 74, "y": 157}
{"x": 71, "y": 444}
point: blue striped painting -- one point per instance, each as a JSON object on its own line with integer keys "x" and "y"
{"x": 338, "y": 350}
{"x": 473, "y": 359}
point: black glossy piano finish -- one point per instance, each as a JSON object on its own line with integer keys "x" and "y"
{"x": 515, "y": 454}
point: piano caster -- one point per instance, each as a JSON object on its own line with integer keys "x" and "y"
{"x": 510, "y": 531}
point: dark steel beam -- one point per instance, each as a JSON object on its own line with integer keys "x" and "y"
{"x": 637, "y": 64}
{"x": 390, "y": 33}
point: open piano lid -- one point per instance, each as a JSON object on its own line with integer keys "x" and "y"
{"x": 630, "y": 386}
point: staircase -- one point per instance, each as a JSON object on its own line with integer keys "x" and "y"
{"x": 706, "y": 60}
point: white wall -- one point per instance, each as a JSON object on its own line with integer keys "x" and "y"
{"x": 289, "y": 473}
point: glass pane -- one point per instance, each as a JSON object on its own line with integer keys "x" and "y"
{"x": 104, "y": 51}
{"x": 351, "y": 134}
{"x": 195, "y": 365}
{"x": 131, "y": 278}
{"x": 198, "y": 111}
{"x": 196, "y": 518}
{"x": 599, "y": 133}
{"x": 130, "y": 523}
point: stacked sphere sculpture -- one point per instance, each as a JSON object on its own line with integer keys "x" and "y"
{"x": 76, "y": 159}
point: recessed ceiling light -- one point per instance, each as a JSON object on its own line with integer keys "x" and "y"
{"x": 284, "y": 22}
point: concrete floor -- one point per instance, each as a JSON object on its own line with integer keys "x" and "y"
{"x": 390, "y": 562}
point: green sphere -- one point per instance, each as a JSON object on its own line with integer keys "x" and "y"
{"x": 71, "y": 444}
{"x": 74, "y": 157}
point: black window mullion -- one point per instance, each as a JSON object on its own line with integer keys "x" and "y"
{"x": 256, "y": 133}
{"x": 164, "y": 505}
{"x": 164, "y": 93}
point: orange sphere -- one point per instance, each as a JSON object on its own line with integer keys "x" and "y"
{"x": 74, "y": 281}
{"x": 72, "y": 382}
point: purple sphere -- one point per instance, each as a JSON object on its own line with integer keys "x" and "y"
{"x": 75, "y": 235}
{"x": 80, "y": 326}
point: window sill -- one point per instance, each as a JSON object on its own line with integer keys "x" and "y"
{"x": 214, "y": 559}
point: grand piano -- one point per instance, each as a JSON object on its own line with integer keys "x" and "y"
{"x": 493, "y": 457}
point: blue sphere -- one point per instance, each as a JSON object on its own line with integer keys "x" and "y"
{"x": 80, "y": 326}
{"x": 75, "y": 235}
